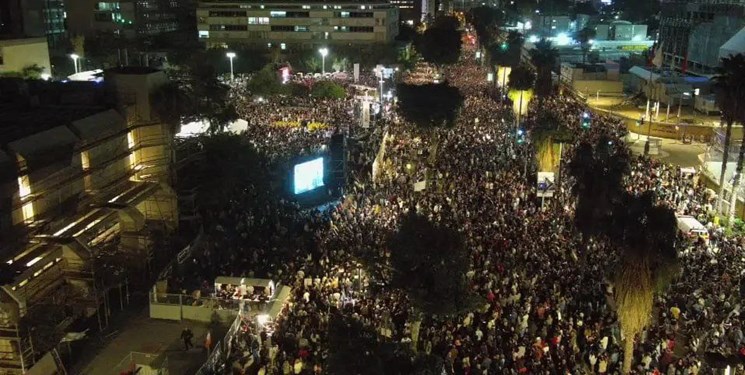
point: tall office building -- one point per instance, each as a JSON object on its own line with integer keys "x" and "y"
{"x": 304, "y": 24}
{"x": 33, "y": 18}
{"x": 130, "y": 18}
{"x": 680, "y": 20}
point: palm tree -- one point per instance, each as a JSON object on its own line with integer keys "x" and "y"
{"x": 584, "y": 37}
{"x": 515, "y": 42}
{"x": 544, "y": 57}
{"x": 730, "y": 93}
{"x": 521, "y": 81}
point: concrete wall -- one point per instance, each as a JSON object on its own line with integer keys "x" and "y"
{"x": 19, "y": 53}
{"x": 591, "y": 87}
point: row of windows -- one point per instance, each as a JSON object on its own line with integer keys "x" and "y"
{"x": 363, "y": 7}
{"x": 352, "y": 29}
{"x": 284, "y": 14}
{"x": 228, "y": 28}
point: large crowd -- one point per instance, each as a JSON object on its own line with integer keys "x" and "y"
{"x": 547, "y": 300}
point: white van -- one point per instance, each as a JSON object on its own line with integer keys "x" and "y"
{"x": 692, "y": 228}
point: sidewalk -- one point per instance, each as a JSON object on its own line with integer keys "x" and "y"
{"x": 687, "y": 114}
{"x": 671, "y": 150}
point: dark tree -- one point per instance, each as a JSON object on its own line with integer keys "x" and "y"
{"x": 584, "y": 37}
{"x": 441, "y": 43}
{"x": 353, "y": 348}
{"x": 485, "y": 21}
{"x": 209, "y": 98}
{"x": 266, "y": 82}
{"x": 430, "y": 263}
{"x": 327, "y": 90}
{"x": 429, "y": 105}
{"x": 521, "y": 78}
{"x": 599, "y": 170}
{"x": 171, "y": 103}
{"x": 544, "y": 57}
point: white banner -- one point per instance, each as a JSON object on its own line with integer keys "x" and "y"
{"x": 545, "y": 184}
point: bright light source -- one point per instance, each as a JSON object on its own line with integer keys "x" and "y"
{"x": 45, "y": 76}
{"x": 562, "y": 39}
{"x": 262, "y": 319}
{"x": 74, "y": 56}
{"x": 33, "y": 261}
{"x": 323, "y": 51}
{"x": 230, "y": 55}
{"x": 637, "y": 38}
{"x": 520, "y": 132}
{"x": 528, "y": 25}
{"x": 533, "y": 39}
{"x": 591, "y": 41}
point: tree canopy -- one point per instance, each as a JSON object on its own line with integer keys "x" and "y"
{"x": 544, "y": 57}
{"x": 429, "y": 105}
{"x": 327, "y": 90}
{"x": 441, "y": 43}
{"x": 430, "y": 263}
{"x": 521, "y": 78}
{"x": 266, "y": 82}
{"x": 353, "y": 347}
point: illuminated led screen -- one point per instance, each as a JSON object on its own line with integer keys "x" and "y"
{"x": 308, "y": 176}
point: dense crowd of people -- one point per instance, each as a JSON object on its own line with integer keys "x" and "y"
{"x": 546, "y": 297}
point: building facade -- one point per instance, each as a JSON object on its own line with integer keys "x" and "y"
{"x": 84, "y": 190}
{"x": 680, "y": 19}
{"x": 17, "y": 54}
{"x": 130, "y": 18}
{"x": 33, "y": 18}
{"x": 309, "y": 24}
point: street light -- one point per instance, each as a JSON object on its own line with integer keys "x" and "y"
{"x": 323, "y": 51}
{"x": 231, "y": 56}
{"x": 75, "y": 58}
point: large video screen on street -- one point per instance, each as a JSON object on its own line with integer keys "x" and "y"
{"x": 308, "y": 176}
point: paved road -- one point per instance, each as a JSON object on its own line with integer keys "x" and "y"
{"x": 672, "y": 151}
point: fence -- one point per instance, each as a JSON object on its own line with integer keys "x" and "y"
{"x": 222, "y": 349}
{"x": 143, "y": 364}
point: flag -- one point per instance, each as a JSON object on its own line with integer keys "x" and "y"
{"x": 657, "y": 56}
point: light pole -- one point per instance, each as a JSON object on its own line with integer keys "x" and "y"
{"x": 323, "y": 51}
{"x": 231, "y": 56}
{"x": 75, "y": 58}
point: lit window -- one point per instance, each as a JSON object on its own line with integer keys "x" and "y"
{"x": 306, "y": 6}
{"x": 204, "y": 34}
{"x": 282, "y": 46}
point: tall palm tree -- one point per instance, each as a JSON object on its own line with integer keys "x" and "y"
{"x": 521, "y": 81}
{"x": 584, "y": 37}
{"x": 515, "y": 42}
{"x": 544, "y": 57}
{"x": 729, "y": 92}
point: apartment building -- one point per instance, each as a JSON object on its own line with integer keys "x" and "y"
{"x": 301, "y": 24}
{"x": 130, "y": 18}
{"x": 84, "y": 188}
{"x": 33, "y": 18}
{"x": 679, "y": 20}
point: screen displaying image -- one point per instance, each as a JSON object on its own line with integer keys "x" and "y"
{"x": 308, "y": 176}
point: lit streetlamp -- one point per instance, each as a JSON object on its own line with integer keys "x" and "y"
{"x": 75, "y": 58}
{"x": 231, "y": 56}
{"x": 323, "y": 51}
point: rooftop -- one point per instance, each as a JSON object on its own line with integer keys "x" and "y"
{"x": 29, "y": 107}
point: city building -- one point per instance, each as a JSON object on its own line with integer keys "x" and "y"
{"x": 679, "y": 21}
{"x": 17, "y": 54}
{"x": 33, "y": 18}
{"x": 710, "y": 41}
{"x": 131, "y": 18}
{"x": 299, "y": 24}
{"x": 593, "y": 79}
{"x": 85, "y": 171}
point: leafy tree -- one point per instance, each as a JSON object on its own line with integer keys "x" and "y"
{"x": 521, "y": 78}
{"x": 544, "y": 57}
{"x": 508, "y": 51}
{"x": 584, "y": 37}
{"x": 441, "y": 43}
{"x": 430, "y": 262}
{"x": 430, "y": 104}
{"x": 729, "y": 96}
{"x": 266, "y": 82}
{"x": 312, "y": 64}
{"x": 547, "y": 132}
{"x": 298, "y": 89}
{"x": 27, "y": 72}
{"x": 171, "y": 103}
{"x": 327, "y": 90}
{"x": 353, "y": 348}
{"x": 485, "y": 21}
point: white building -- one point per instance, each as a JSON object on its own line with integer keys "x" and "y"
{"x": 308, "y": 24}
